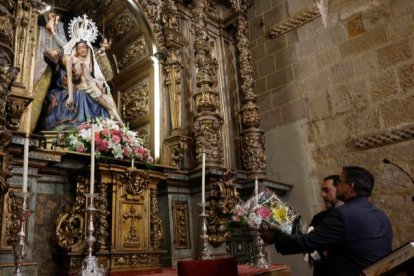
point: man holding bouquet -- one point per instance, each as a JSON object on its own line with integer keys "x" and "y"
{"x": 356, "y": 234}
{"x": 328, "y": 192}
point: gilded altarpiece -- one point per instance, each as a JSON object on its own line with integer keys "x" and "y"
{"x": 128, "y": 229}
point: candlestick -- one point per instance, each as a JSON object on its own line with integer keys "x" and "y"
{"x": 25, "y": 162}
{"x": 203, "y": 182}
{"x": 91, "y": 188}
{"x": 256, "y": 190}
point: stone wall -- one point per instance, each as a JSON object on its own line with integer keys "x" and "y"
{"x": 348, "y": 81}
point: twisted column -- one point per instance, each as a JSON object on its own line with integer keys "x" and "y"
{"x": 208, "y": 121}
{"x": 252, "y": 137}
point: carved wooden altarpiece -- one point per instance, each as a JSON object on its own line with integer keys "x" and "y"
{"x": 128, "y": 230}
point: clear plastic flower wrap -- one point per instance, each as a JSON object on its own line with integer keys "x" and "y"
{"x": 270, "y": 212}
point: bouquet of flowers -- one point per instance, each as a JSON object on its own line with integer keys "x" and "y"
{"x": 267, "y": 211}
{"x": 110, "y": 140}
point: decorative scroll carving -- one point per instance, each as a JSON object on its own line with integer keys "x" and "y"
{"x": 12, "y": 219}
{"x": 224, "y": 197}
{"x": 178, "y": 152}
{"x": 135, "y": 259}
{"x": 70, "y": 225}
{"x": 7, "y": 24}
{"x": 133, "y": 53}
{"x": 207, "y": 133}
{"x": 121, "y": 26}
{"x": 143, "y": 132}
{"x": 102, "y": 229}
{"x": 208, "y": 122}
{"x": 136, "y": 101}
{"x": 7, "y": 77}
{"x": 15, "y": 107}
{"x": 157, "y": 231}
{"x": 253, "y": 159}
{"x": 294, "y": 21}
{"x": 181, "y": 225}
{"x": 385, "y": 138}
{"x": 135, "y": 181}
{"x": 153, "y": 11}
{"x": 132, "y": 236}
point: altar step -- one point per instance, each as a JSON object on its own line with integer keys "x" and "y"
{"x": 151, "y": 272}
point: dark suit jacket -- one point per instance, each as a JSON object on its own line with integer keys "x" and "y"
{"x": 356, "y": 234}
{"x": 321, "y": 267}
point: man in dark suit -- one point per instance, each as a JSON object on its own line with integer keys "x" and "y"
{"x": 318, "y": 258}
{"x": 355, "y": 234}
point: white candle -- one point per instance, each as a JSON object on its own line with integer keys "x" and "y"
{"x": 91, "y": 188}
{"x": 203, "y": 182}
{"x": 25, "y": 163}
{"x": 256, "y": 190}
{"x": 132, "y": 162}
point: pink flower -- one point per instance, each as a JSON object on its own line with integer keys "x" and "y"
{"x": 116, "y": 139}
{"x": 142, "y": 150}
{"x": 80, "y": 149}
{"x": 83, "y": 126}
{"x": 105, "y": 132}
{"x": 150, "y": 159}
{"x": 264, "y": 212}
{"x": 102, "y": 146}
{"x": 235, "y": 218}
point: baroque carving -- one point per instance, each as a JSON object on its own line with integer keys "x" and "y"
{"x": 157, "y": 231}
{"x": 70, "y": 225}
{"x": 208, "y": 122}
{"x": 252, "y": 147}
{"x": 294, "y": 21}
{"x": 181, "y": 225}
{"x": 135, "y": 181}
{"x": 15, "y": 107}
{"x": 7, "y": 24}
{"x": 12, "y": 220}
{"x": 208, "y": 136}
{"x": 136, "y": 259}
{"x": 253, "y": 154}
{"x": 121, "y": 26}
{"x": 132, "y": 236}
{"x": 135, "y": 102}
{"x": 250, "y": 115}
{"x": 102, "y": 229}
{"x": 224, "y": 197}
{"x": 133, "y": 53}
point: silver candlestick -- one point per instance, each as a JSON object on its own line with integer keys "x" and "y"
{"x": 20, "y": 246}
{"x": 90, "y": 263}
{"x": 260, "y": 260}
{"x": 205, "y": 252}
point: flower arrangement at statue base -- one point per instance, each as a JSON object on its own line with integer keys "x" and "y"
{"x": 266, "y": 211}
{"x": 111, "y": 140}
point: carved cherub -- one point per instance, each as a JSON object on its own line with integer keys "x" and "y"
{"x": 52, "y": 21}
{"x": 104, "y": 45}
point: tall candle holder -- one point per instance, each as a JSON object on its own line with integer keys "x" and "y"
{"x": 90, "y": 263}
{"x": 260, "y": 259}
{"x": 205, "y": 252}
{"x": 20, "y": 246}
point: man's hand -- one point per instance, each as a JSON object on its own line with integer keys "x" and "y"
{"x": 267, "y": 235}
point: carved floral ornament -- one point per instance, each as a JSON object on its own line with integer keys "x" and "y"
{"x": 135, "y": 181}
{"x": 135, "y": 102}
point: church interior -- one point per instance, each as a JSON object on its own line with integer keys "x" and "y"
{"x": 223, "y": 94}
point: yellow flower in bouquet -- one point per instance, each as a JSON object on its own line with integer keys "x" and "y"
{"x": 279, "y": 214}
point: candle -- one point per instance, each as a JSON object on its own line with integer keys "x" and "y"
{"x": 91, "y": 188}
{"x": 25, "y": 162}
{"x": 132, "y": 162}
{"x": 256, "y": 190}
{"x": 203, "y": 182}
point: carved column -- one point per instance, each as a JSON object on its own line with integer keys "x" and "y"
{"x": 7, "y": 77}
{"x": 208, "y": 121}
{"x": 252, "y": 140}
{"x": 178, "y": 141}
{"x": 24, "y": 48}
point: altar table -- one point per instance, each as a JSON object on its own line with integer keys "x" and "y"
{"x": 244, "y": 270}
